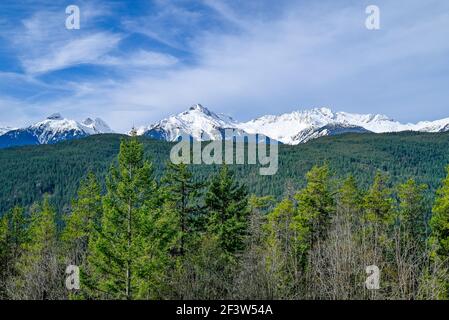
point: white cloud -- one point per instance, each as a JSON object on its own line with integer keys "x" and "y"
{"x": 141, "y": 59}
{"x": 43, "y": 44}
{"x": 87, "y": 49}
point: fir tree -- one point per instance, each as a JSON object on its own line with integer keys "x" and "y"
{"x": 13, "y": 235}
{"x": 183, "y": 192}
{"x": 40, "y": 273}
{"x": 227, "y": 205}
{"x": 82, "y": 227}
{"x": 124, "y": 259}
{"x": 84, "y": 220}
{"x": 378, "y": 202}
{"x": 412, "y": 210}
{"x": 439, "y": 243}
{"x": 316, "y": 204}
{"x": 286, "y": 245}
{"x": 376, "y": 233}
{"x": 349, "y": 200}
{"x": 439, "y": 223}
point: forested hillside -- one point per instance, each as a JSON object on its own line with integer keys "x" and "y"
{"x": 178, "y": 235}
{"x": 27, "y": 173}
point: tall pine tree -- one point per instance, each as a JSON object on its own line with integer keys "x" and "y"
{"x": 126, "y": 257}
{"x": 227, "y": 205}
{"x": 13, "y": 236}
{"x": 183, "y": 192}
{"x": 83, "y": 221}
{"x": 349, "y": 200}
{"x": 316, "y": 204}
{"x": 439, "y": 239}
{"x": 413, "y": 211}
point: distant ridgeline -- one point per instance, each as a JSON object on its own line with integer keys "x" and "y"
{"x": 27, "y": 173}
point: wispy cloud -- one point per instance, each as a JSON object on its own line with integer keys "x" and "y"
{"x": 88, "y": 49}
{"x": 140, "y": 59}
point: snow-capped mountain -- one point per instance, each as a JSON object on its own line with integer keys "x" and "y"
{"x": 53, "y": 129}
{"x": 198, "y": 122}
{"x": 290, "y": 128}
{"x": 4, "y": 130}
{"x": 302, "y": 126}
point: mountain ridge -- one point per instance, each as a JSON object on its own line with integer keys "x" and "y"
{"x": 293, "y": 128}
{"x": 53, "y": 129}
{"x": 200, "y": 123}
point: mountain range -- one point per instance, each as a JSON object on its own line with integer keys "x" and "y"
{"x": 289, "y": 128}
{"x": 202, "y": 124}
{"x": 52, "y": 130}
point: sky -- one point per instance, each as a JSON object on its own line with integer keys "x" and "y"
{"x": 134, "y": 62}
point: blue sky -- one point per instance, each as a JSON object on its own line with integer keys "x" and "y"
{"x": 134, "y": 62}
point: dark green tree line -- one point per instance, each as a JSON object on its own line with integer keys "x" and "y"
{"x": 178, "y": 236}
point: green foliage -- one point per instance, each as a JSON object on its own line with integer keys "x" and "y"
{"x": 82, "y": 226}
{"x": 38, "y": 267}
{"x": 294, "y": 227}
{"x": 440, "y": 222}
{"x": 27, "y": 173}
{"x": 195, "y": 232}
{"x": 378, "y": 202}
{"x": 413, "y": 210}
{"x": 126, "y": 255}
{"x": 227, "y": 205}
{"x": 180, "y": 192}
{"x": 315, "y": 204}
{"x": 84, "y": 220}
{"x": 285, "y": 246}
{"x": 350, "y": 199}
{"x": 4, "y": 256}
{"x": 13, "y": 236}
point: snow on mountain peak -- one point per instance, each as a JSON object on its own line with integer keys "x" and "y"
{"x": 4, "y": 130}
{"x": 200, "y": 123}
{"x": 290, "y": 128}
{"x": 53, "y": 129}
{"x": 197, "y": 122}
{"x": 96, "y": 126}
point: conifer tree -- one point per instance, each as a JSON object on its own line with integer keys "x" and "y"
{"x": 40, "y": 273}
{"x": 251, "y": 281}
{"x": 81, "y": 230}
{"x": 227, "y": 205}
{"x": 409, "y": 236}
{"x": 378, "y": 202}
{"x": 4, "y": 256}
{"x": 440, "y": 221}
{"x": 376, "y": 233}
{"x": 126, "y": 257}
{"x": 180, "y": 190}
{"x": 316, "y": 204}
{"x": 13, "y": 235}
{"x": 286, "y": 245}
{"x": 83, "y": 221}
{"x": 349, "y": 200}
{"x": 412, "y": 210}
{"x": 18, "y": 230}
{"x": 439, "y": 239}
